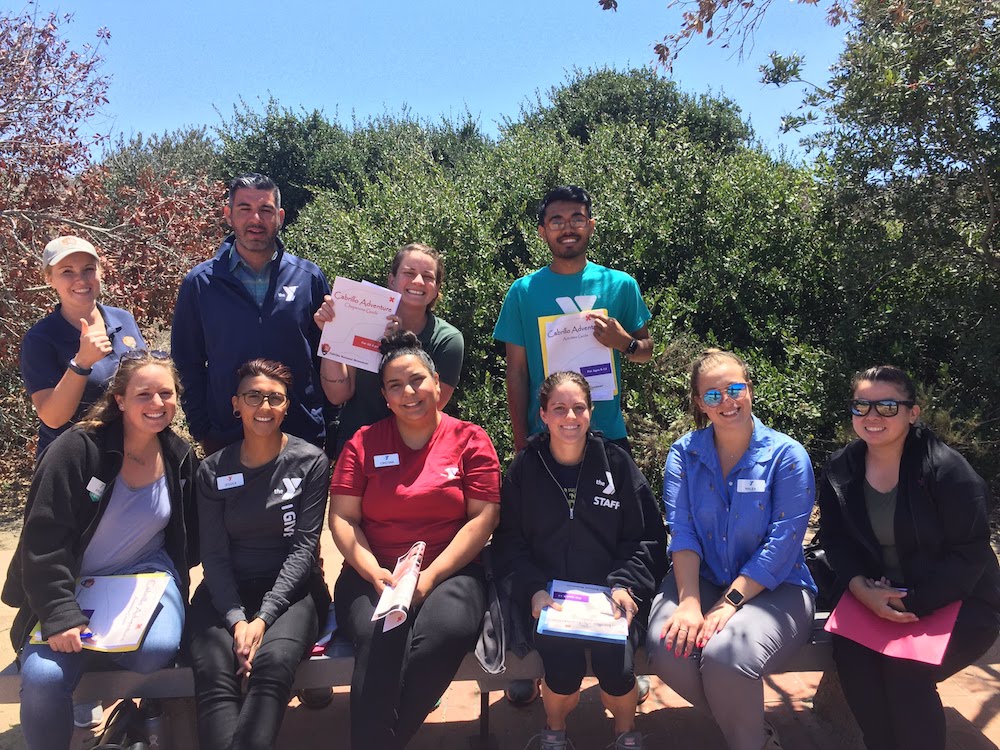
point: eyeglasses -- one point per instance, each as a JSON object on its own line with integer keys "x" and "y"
{"x": 142, "y": 354}
{"x": 256, "y": 398}
{"x": 886, "y": 407}
{"x": 713, "y": 397}
{"x": 577, "y": 221}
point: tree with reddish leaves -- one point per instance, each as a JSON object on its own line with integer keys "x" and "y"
{"x": 149, "y": 232}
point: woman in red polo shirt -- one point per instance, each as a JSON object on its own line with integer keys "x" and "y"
{"x": 418, "y": 475}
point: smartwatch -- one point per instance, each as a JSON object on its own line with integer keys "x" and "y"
{"x": 735, "y": 598}
{"x": 84, "y": 371}
{"x": 632, "y": 346}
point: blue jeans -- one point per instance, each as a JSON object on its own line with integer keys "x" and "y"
{"x": 48, "y": 678}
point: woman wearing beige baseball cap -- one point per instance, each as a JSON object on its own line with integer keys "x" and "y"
{"x": 69, "y": 356}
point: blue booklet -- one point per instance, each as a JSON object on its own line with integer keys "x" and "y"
{"x": 587, "y": 613}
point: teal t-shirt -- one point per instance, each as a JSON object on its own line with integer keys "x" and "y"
{"x": 545, "y": 293}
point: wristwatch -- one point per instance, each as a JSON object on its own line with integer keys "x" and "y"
{"x": 632, "y": 346}
{"x": 735, "y": 598}
{"x": 85, "y": 371}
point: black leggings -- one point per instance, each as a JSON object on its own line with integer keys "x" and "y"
{"x": 400, "y": 675}
{"x": 896, "y": 701}
{"x": 565, "y": 661}
{"x": 225, "y": 718}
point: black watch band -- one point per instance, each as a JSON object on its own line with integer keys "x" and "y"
{"x": 84, "y": 371}
{"x": 632, "y": 346}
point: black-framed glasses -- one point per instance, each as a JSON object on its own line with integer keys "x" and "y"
{"x": 256, "y": 398}
{"x": 713, "y": 397}
{"x": 886, "y": 407}
{"x": 576, "y": 221}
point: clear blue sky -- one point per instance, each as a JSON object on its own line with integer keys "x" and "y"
{"x": 173, "y": 64}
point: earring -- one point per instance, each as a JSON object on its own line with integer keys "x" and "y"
{"x": 236, "y": 413}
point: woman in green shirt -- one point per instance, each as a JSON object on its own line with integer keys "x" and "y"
{"x": 417, "y": 273}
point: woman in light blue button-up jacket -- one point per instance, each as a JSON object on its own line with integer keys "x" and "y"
{"x": 739, "y": 599}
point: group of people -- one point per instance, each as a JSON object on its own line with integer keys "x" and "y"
{"x": 116, "y": 491}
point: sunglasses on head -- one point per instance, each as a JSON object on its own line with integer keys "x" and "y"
{"x": 142, "y": 354}
{"x": 713, "y": 397}
{"x": 886, "y": 407}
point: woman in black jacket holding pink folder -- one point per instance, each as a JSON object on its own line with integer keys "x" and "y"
{"x": 575, "y": 507}
{"x": 905, "y": 527}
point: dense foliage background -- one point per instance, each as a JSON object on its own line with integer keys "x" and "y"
{"x": 880, "y": 249}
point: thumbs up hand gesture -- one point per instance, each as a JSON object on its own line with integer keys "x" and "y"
{"x": 94, "y": 344}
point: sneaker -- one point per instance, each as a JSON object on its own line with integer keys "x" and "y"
{"x": 552, "y": 739}
{"x": 88, "y": 715}
{"x": 522, "y": 692}
{"x": 643, "y": 682}
{"x": 771, "y": 741}
{"x": 629, "y": 740}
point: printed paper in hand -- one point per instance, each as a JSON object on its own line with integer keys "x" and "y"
{"x": 924, "y": 640}
{"x": 587, "y": 613}
{"x": 360, "y": 312}
{"x": 570, "y": 345}
{"x": 394, "y": 604}
{"x": 120, "y": 609}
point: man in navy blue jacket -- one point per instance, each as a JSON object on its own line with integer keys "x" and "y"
{"x": 253, "y": 299}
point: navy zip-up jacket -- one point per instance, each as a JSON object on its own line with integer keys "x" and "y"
{"x": 218, "y": 326}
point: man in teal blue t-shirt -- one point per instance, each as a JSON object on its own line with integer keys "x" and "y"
{"x": 569, "y": 284}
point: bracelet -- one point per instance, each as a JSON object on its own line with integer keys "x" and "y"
{"x": 84, "y": 371}
{"x": 332, "y": 380}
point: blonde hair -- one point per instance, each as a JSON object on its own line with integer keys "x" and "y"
{"x": 707, "y": 360}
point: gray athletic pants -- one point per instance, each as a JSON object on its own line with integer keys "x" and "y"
{"x": 725, "y": 678}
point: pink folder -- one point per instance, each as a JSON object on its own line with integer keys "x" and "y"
{"x": 924, "y": 640}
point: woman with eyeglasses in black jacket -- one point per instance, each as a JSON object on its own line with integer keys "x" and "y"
{"x": 905, "y": 527}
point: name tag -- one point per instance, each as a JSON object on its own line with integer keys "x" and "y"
{"x": 229, "y": 481}
{"x": 95, "y": 488}
{"x": 750, "y": 485}
{"x": 386, "y": 459}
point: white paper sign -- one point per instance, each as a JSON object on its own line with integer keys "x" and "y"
{"x": 570, "y": 345}
{"x": 360, "y": 312}
{"x": 119, "y": 608}
{"x": 588, "y": 612}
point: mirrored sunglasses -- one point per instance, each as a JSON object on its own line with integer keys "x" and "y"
{"x": 713, "y": 397}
